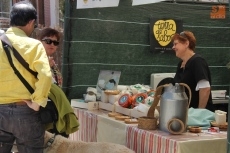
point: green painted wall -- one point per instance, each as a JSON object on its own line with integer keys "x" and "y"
{"x": 117, "y": 38}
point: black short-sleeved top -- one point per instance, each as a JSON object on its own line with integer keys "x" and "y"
{"x": 196, "y": 69}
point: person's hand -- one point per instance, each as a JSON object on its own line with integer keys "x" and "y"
{"x": 32, "y": 105}
{"x": 51, "y": 61}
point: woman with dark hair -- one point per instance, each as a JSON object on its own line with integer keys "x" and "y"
{"x": 192, "y": 70}
{"x": 50, "y": 40}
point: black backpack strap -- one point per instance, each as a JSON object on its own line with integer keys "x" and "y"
{"x": 5, "y": 39}
{"x": 28, "y": 86}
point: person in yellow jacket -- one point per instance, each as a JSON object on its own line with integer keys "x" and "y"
{"x": 19, "y": 109}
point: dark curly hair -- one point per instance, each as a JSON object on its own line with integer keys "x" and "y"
{"x": 49, "y": 32}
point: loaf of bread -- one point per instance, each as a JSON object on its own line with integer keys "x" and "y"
{"x": 131, "y": 121}
{"x": 113, "y": 114}
{"x": 112, "y": 92}
{"x": 122, "y": 118}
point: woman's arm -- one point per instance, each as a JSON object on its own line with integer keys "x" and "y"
{"x": 203, "y": 97}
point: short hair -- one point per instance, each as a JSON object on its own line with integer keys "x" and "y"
{"x": 186, "y": 36}
{"x": 21, "y": 13}
{"x": 49, "y": 32}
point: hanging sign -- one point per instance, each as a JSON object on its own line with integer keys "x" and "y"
{"x": 161, "y": 32}
{"x": 141, "y": 2}
{"x": 218, "y": 12}
{"x": 83, "y": 4}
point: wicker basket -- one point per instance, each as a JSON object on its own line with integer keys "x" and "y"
{"x": 150, "y": 122}
{"x": 147, "y": 123}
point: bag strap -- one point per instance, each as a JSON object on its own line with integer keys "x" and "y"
{"x": 5, "y": 39}
{"x": 6, "y": 45}
{"x": 27, "y": 85}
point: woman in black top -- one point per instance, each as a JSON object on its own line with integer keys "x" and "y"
{"x": 192, "y": 70}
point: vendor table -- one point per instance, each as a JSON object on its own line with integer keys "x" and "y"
{"x": 156, "y": 141}
{"x": 97, "y": 126}
{"x": 88, "y": 125}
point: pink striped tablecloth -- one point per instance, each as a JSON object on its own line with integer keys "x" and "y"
{"x": 88, "y": 126}
{"x": 156, "y": 141}
{"x": 88, "y": 120}
{"x": 144, "y": 141}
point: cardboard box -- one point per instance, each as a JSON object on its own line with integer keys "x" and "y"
{"x": 136, "y": 114}
{"x": 80, "y": 103}
{"x": 218, "y": 93}
{"x": 122, "y": 110}
{"x": 107, "y": 106}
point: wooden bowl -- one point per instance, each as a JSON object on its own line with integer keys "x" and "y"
{"x": 222, "y": 127}
{"x": 194, "y": 129}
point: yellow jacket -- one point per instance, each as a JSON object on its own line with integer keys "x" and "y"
{"x": 33, "y": 52}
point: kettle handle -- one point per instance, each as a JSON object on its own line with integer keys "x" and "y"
{"x": 189, "y": 90}
{"x": 157, "y": 98}
{"x": 156, "y": 101}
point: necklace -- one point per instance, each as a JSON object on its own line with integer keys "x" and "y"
{"x": 186, "y": 59}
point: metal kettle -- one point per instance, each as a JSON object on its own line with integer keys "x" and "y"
{"x": 174, "y": 105}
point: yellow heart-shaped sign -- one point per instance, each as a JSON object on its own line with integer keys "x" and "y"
{"x": 163, "y": 30}
{"x": 85, "y": 1}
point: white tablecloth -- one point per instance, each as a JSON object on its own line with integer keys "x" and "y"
{"x": 111, "y": 130}
{"x": 97, "y": 126}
